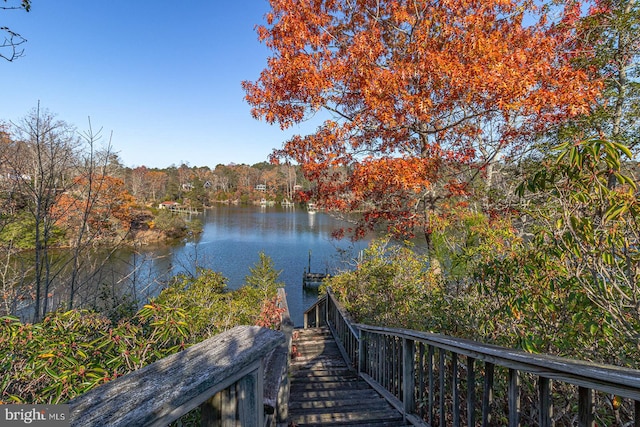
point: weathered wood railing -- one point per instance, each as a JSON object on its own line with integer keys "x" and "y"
{"x": 439, "y": 380}
{"x": 276, "y": 389}
{"x": 238, "y": 377}
{"x": 328, "y": 312}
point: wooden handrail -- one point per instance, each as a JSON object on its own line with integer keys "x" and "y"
{"x": 276, "y": 378}
{"x": 344, "y": 314}
{"x": 224, "y": 375}
{"x": 343, "y": 329}
{"x": 421, "y": 373}
{"x": 316, "y": 314}
{"x": 623, "y": 382}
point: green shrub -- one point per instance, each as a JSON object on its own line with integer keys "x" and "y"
{"x": 71, "y": 352}
{"x": 173, "y": 226}
{"x": 21, "y": 234}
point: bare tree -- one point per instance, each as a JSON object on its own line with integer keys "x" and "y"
{"x": 10, "y": 46}
{"x": 291, "y": 180}
{"x": 40, "y": 163}
{"x": 9, "y": 276}
{"x": 92, "y": 170}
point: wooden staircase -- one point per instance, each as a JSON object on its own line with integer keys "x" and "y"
{"x": 326, "y": 392}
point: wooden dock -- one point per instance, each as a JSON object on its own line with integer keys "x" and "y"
{"x": 325, "y": 391}
{"x": 313, "y": 278}
{"x": 184, "y": 210}
{"x": 309, "y": 278}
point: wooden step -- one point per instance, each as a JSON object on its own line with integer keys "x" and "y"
{"x": 313, "y": 364}
{"x": 310, "y": 373}
{"x": 325, "y": 378}
{"x": 333, "y": 395}
{"x": 325, "y": 391}
{"x": 367, "y": 416}
{"x": 354, "y": 401}
{"x": 297, "y": 387}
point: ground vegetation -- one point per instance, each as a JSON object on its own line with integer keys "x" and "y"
{"x": 71, "y": 352}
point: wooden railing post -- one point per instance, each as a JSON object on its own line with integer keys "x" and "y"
{"x": 219, "y": 410}
{"x": 442, "y": 386}
{"x": 284, "y": 355}
{"x": 430, "y": 353}
{"x": 455, "y": 389}
{"x": 585, "y": 407}
{"x": 239, "y": 404}
{"x": 546, "y": 405}
{"x": 408, "y": 375}
{"x": 328, "y": 306}
{"x": 250, "y": 399}
{"x": 487, "y": 394}
{"x": 471, "y": 392}
{"x": 514, "y": 398}
{"x": 362, "y": 356}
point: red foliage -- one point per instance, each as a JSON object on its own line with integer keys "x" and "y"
{"x": 270, "y": 314}
{"x": 102, "y": 203}
{"x": 419, "y": 91}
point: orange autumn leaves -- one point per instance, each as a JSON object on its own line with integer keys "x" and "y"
{"x": 413, "y": 81}
{"x": 102, "y": 207}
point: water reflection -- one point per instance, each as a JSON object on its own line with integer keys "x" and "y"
{"x": 231, "y": 240}
{"x": 233, "y": 237}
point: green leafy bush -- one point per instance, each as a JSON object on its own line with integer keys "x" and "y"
{"x": 71, "y": 352}
{"x": 172, "y": 225}
{"x": 20, "y": 233}
{"x": 397, "y": 287}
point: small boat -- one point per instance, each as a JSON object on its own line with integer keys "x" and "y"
{"x": 312, "y": 208}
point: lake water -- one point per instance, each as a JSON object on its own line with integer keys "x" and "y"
{"x": 233, "y": 237}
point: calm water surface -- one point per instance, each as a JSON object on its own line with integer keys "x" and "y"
{"x": 233, "y": 237}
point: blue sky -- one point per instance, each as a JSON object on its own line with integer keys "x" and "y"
{"x": 163, "y": 76}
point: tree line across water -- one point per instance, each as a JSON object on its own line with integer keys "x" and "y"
{"x": 65, "y": 189}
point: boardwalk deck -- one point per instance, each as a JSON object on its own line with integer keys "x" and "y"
{"x": 313, "y": 278}
{"x": 324, "y": 391}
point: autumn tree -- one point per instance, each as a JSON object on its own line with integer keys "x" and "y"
{"x": 109, "y": 205}
{"x": 247, "y": 177}
{"x": 96, "y": 206}
{"x": 271, "y": 178}
{"x": 185, "y": 175}
{"x": 63, "y": 195}
{"x": 157, "y": 183}
{"x": 138, "y": 181}
{"x": 290, "y": 180}
{"x": 146, "y": 184}
{"x": 225, "y": 178}
{"x": 7, "y": 185}
{"x": 417, "y": 94}
{"x": 11, "y": 279}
